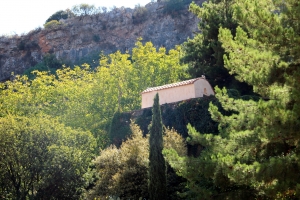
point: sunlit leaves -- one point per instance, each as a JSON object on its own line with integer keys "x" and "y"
{"x": 41, "y": 157}
{"x": 87, "y": 99}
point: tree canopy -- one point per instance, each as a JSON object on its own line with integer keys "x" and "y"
{"x": 87, "y": 99}
{"x": 204, "y": 53}
{"x": 123, "y": 172}
{"x": 84, "y": 9}
{"x": 51, "y": 124}
{"x": 256, "y": 152}
{"x": 61, "y": 14}
{"x": 73, "y": 103}
{"x": 41, "y": 158}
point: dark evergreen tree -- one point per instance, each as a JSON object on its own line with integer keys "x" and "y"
{"x": 256, "y": 154}
{"x": 157, "y": 165}
{"x": 204, "y": 53}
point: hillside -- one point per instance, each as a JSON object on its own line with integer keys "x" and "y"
{"x": 69, "y": 134}
{"x": 80, "y": 36}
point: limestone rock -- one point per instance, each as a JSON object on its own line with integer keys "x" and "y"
{"x": 77, "y": 37}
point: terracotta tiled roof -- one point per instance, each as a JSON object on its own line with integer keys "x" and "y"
{"x": 187, "y": 82}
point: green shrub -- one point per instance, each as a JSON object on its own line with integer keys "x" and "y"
{"x": 123, "y": 171}
{"x": 139, "y": 14}
{"x": 233, "y": 93}
{"x": 52, "y": 24}
{"x": 22, "y": 45}
{"x": 44, "y": 157}
{"x": 119, "y": 128}
{"x": 25, "y": 44}
{"x": 58, "y": 16}
{"x": 172, "y": 6}
{"x": 50, "y": 63}
{"x": 92, "y": 59}
{"x": 96, "y": 38}
{"x": 38, "y": 67}
{"x": 85, "y": 9}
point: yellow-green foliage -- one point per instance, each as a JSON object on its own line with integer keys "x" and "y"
{"x": 70, "y": 96}
{"x": 52, "y": 24}
{"x": 82, "y": 98}
{"x": 126, "y": 79}
{"x": 123, "y": 171}
{"x": 175, "y": 141}
{"x": 41, "y": 157}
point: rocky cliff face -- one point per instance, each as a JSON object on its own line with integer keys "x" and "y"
{"x": 77, "y": 37}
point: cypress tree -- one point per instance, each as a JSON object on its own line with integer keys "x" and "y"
{"x": 157, "y": 166}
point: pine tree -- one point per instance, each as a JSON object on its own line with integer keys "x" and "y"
{"x": 256, "y": 154}
{"x": 157, "y": 165}
{"x": 204, "y": 53}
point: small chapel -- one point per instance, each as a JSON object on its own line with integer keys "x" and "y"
{"x": 174, "y": 92}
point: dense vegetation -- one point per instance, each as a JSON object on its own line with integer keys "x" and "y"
{"x": 174, "y": 6}
{"x": 123, "y": 171}
{"x": 53, "y": 123}
{"x": 204, "y": 53}
{"x": 256, "y": 154}
{"x": 81, "y": 100}
{"x": 59, "y": 15}
{"x": 140, "y": 14}
{"x": 41, "y": 157}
